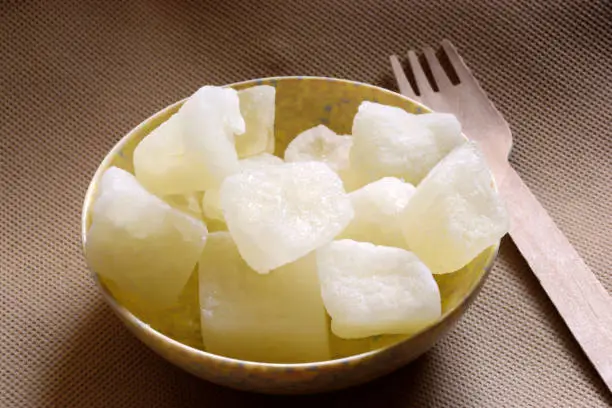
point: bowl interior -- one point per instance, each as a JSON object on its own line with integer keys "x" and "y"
{"x": 301, "y": 103}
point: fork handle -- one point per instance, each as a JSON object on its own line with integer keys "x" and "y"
{"x": 581, "y": 300}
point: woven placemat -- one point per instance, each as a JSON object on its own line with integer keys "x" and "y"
{"x": 77, "y": 75}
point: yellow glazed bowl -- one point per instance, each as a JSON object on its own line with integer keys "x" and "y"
{"x": 301, "y": 102}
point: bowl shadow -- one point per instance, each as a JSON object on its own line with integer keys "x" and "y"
{"x": 106, "y": 366}
{"x": 110, "y": 367}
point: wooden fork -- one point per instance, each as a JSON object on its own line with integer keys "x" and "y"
{"x": 581, "y": 300}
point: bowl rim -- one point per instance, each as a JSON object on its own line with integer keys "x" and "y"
{"x": 124, "y": 313}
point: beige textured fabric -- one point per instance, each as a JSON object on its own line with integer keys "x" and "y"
{"x": 77, "y": 75}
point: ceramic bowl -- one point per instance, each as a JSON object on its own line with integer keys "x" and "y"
{"x": 301, "y": 102}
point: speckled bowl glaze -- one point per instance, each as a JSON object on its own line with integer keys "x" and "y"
{"x": 301, "y": 102}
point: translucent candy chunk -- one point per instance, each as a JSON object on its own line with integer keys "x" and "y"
{"x": 455, "y": 212}
{"x": 194, "y": 149}
{"x": 187, "y": 203}
{"x": 377, "y": 209}
{"x": 353, "y": 178}
{"x": 388, "y": 141}
{"x": 257, "y": 105}
{"x": 211, "y": 205}
{"x": 278, "y": 214}
{"x": 445, "y": 127}
{"x": 277, "y": 317}
{"x": 370, "y": 290}
{"x": 139, "y": 242}
{"x": 259, "y": 161}
{"x": 320, "y": 144}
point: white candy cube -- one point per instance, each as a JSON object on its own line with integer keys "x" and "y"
{"x": 210, "y": 202}
{"x": 388, "y": 141}
{"x": 257, "y": 105}
{"x": 146, "y": 247}
{"x": 377, "y": 209}
{"x": 278, "y": 214}
{"x": 371, "y": 290}
{"x": 277, "y": 317}
{"x": 194, "y": 149}
{"x": 320, "y": 144}
{"x": 455, "y": 213}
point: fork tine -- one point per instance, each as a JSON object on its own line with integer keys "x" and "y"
{"x": 419, "y": 75}
{"x": 400, "y": 76}
{"x": 437, "y": 71}
{"x": 463, "y": 72}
